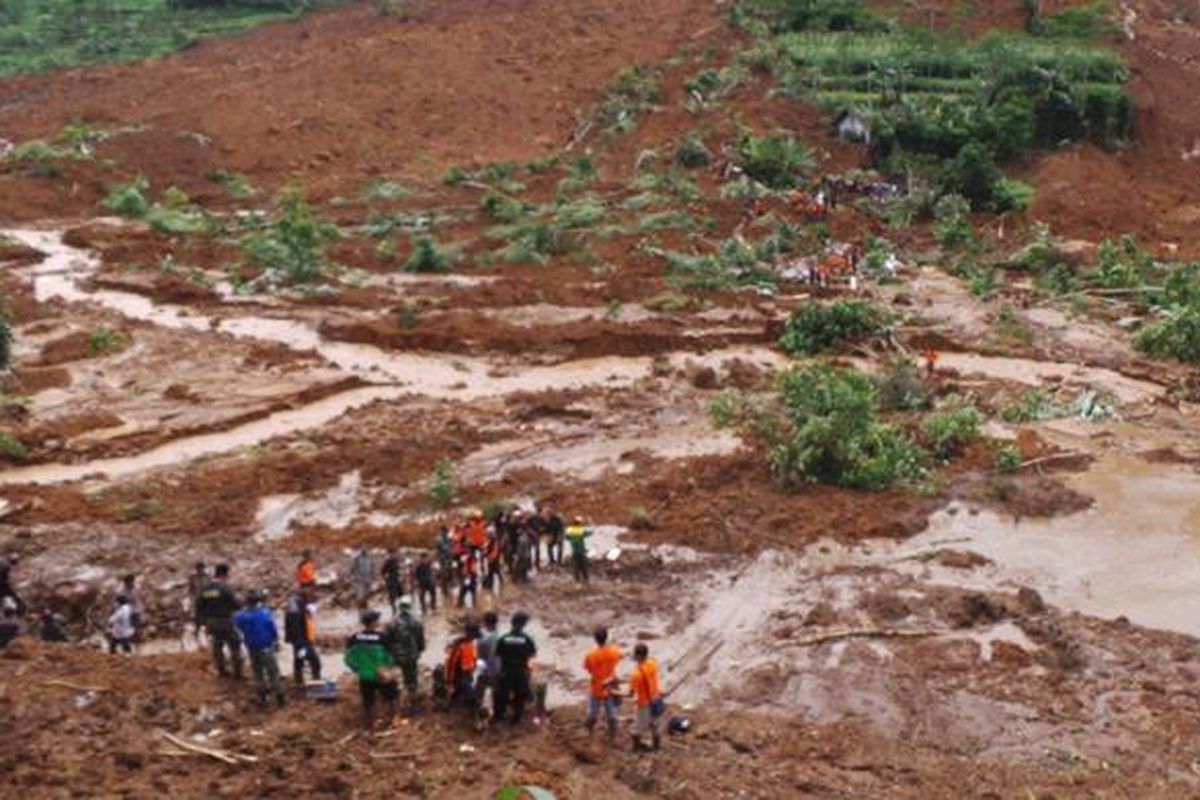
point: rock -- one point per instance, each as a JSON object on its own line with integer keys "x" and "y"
{"x": 969, "y": 610}
{"x": 961, "y": 559}
{"x": 1029, "y": 601}
{"x": 703, "y": 377}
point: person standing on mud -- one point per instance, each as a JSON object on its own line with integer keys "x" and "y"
{"x": 393, "y": 582}
{"x": 485, "y": 649}
{"x": 444, "y": 545}
{"x": 195, "y": 584}
{"x": 468, "y": 578}
{"x": 493, "y": 556}
{"x": 121, "y": 628}
{"x": 367, "y": 657}
{"x": 514, "y": 651}
{"x": 257, "y": 626}
{"x": 306, "y": 571}
{"x": 300, "y": 631}
{"x": 555, "y": 529}
{"x": 405, "y": 640}
{"x": 426, "y": 587}
{"x": 138, "y": 606}
{"x": 362, "y": 575}
{"x": 535, "y": 529}
{"x": 577, "y": 535}
{"x": 601, "y": 665}
{"x": 647, "y": 695}
{"x": 7, "y": 592}
{"x": 217, "y": 605}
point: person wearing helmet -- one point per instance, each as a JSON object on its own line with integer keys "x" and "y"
{"x": 257, "y": 626}
{"x": 405, "y": 639}
{"x": 514, "y": 651}
{"x": 577, "y": 534}
{"x": 367, "y": 656}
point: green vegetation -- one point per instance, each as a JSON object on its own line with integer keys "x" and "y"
{"x": 290, "y": 249}
{"x": 736, "y": 263}
{"x": 1007, "y": 460}
{"x": 691, "y": 152}
{"x": 43, "y": 34}
{"x": 442, "y": 488}
{"x": 103, "y": 341}
{"x": 1176, "y": 335}
{"x": 634, "y": 92}
{"x": 1033, "y": 405}
{"x": 775, "y": 160}
{"x": 11, "y": 447}
{"x": 948, "y": 110}
{"x": 949, "y": 430}
{"x": 898, "y": 387}
{"x": 236, "y": 185}
{"x": 820, "y": 426}
{"x": 6, "y": 343}
{"x": 428, "y": 256}
{"x": 129, "y": 199}
{"x": 817, "y": 328}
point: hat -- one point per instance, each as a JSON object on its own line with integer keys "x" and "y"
{"x": 406, "y": 602}
{"x": 578, "y": 520}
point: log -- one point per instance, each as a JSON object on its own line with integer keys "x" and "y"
{"x": 211, "y": 752}
{"x": 78, "y": 687}
{"x": 865, "y": 633}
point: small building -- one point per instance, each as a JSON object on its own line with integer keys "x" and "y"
{"x": 851, "y": 126}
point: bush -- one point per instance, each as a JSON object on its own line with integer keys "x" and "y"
{"x": 292, "y": 246}
{"x": 774, "y": 160}
{"x": 947, "y": 431}
{"x": 1177, "y": 336}
{"x": 820, "y": 427}
{"x": 899, "y": 387}
{"x": 129, "y": 199}
{"x": 11, "y": 447}
{"x": 815, "y": 328}
{"x": 634, "y": 91}
{"x": 428, "y": 256}
{"x": 692, "y": 153}
{"x": 442, "y": 489}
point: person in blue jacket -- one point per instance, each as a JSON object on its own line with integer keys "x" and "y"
{"x": 256, "y": 623}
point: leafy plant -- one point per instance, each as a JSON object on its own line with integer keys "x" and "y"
{"x": 103, "y": 341}
{"x": 1176, "y": 336}
{"x": 775, "y": 160}
{"x": 691, "y": 152}
{"x": 817, "y": 328}
{"x": 947, "y": 431}
{"x": 634, "y": 92}
{"x": 442, "y": 488}
{"x": 11, "y": 446}
{"x": 291, "y": 248}
{"x": 1007, "y": 460}
{"x": 129, "y": 199}
{"x": 1032, "y": 405}
{"x": 428, "y": 256}
{"x": 898, "y": 387}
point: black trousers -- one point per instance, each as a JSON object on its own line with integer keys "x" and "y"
{"x": 512, "y": 690}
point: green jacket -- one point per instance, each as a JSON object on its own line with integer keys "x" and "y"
{"x": 405, "y": 637}
{"x": 577, "y": 538}
{"x": 366, "y": 652}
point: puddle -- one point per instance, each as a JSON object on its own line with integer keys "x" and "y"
{"x": 1135, "y": 554}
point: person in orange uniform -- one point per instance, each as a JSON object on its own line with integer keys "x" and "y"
{"x": 601, "y": 664}
{"x": 306, "y": 571}
{"x": 477, "y": 533}
{"x": 461, "y": 658}
{"x": 644, "y": 688}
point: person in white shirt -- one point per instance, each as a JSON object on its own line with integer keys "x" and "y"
{"x": 120, "y": 627}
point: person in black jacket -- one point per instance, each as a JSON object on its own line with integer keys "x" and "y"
{"x": 299, "y": 631}
{"x": 216, "y": 606}
{"x": 514, "y": 651}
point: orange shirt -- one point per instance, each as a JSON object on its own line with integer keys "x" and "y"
{"x": 601, "y": 664}
{"x": 477, "y": 533}
{"x": 306, "y": 573}
{"x": 643, "y": 682}
{"x": 461, "y": 659}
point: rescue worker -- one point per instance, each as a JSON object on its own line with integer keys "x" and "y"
{"x": 405, "y": 640}
{"x": 7, "y": 592}
{"x": 121, "y": 629}
{"x": 362, "y": 575}
{"x": 306, "y": 571}
{"x": 426, "y": 587}
{"x": 468, "y": 578}
{"x": 52, "y": 629}
{"x": 485, "y": 648}
{"x": 601, "y": 665}
{"x": 444, "y": 545}
{"x": 461, "y": 660}
{"x": 514, "y": 651}
{"x": 476, "y": 533}
{"x": 368, "y": 658}
{"x": 535, "y": 526}
{"x": 195, "y": 584}
{"x": 257, "y": 626}
{"x": 555, "y": 530}
{"x": 136, "y": 604}
{"x": 647, "y": 696}
{"x": 577, "y": 535}
{"x": 493, "y": 556}
{"x": 217, "y": 606}
{"x": 393, "y": 581}
{"x": 300, "y": 631}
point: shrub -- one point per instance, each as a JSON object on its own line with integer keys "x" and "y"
{"x": 820, "y": 427}
{"x": 947, "y": 431}
{"x": 103, "y": 341}
{"x": 129, "y": 199}
{"x": 1177, "y": 336}
{"x": 774, "y": 160}
{"x": 442, "y": 489}
{"x": 952, "y": 221}
{"x": 692, "y": 153}
{"x": 634, "y": 91}
{"x": 428, "y": 256}
{"x": 292, "y": 246}
{"x": 899, "y": 387}
{"x": 1033, "y": 405}
{"x": 815, "y": 328}
{"x": 11, "y": 446}
{"x": 1007, "y": 460}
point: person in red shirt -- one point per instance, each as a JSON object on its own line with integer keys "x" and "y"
{"x": 601, "y": 664}
{"x": 647, "y": 695}
{"x": 306, "y": 571}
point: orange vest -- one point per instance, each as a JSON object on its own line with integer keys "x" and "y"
{"x": 643, "y": 682}
{"x": 306, "y": 573}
